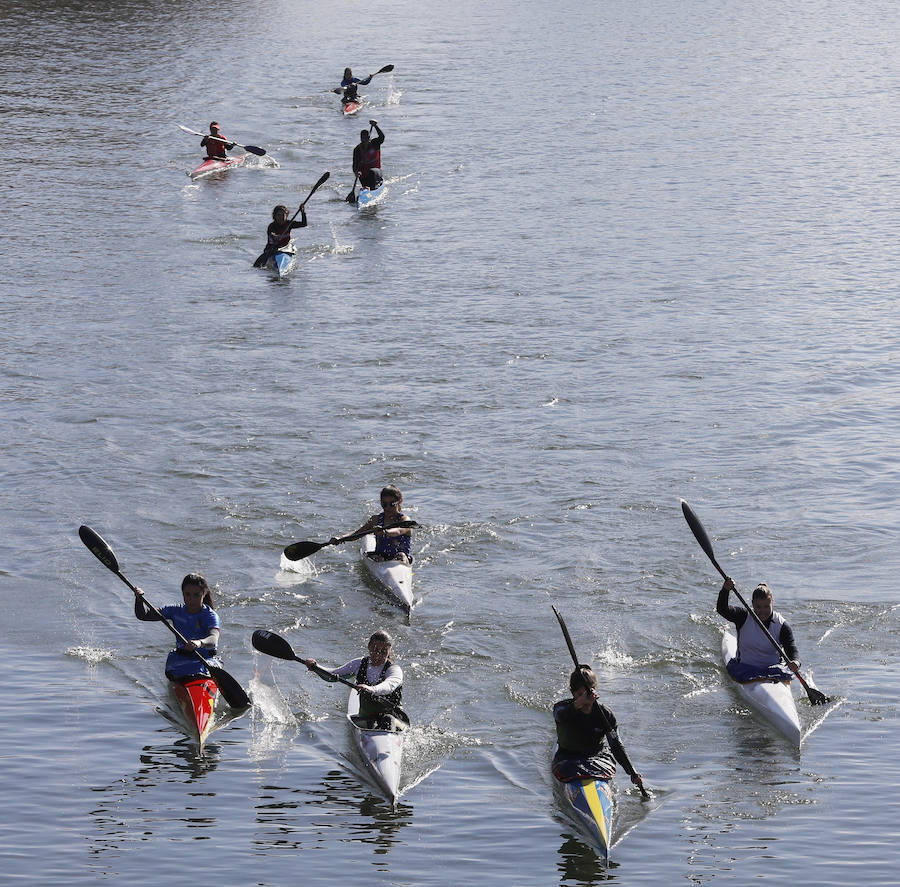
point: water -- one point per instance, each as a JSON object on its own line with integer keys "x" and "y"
{"x": 628, "y": 254}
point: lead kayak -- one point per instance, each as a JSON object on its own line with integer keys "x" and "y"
{"x": 215, "y": 164}
{"x": 392, "y": 577}
{"x": 773, "y": 701}
{"x": 284, "y": 261}
{"x": 369, "y": 196}
{"x": 588, "y": 802}
{"x": 381, "y": 750}
{"x": 197, "y": 698}
{"x": 350, "y": 108}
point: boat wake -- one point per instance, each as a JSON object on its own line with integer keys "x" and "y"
{"x": 91, "y": 655}
{"x": 294, "y": 572}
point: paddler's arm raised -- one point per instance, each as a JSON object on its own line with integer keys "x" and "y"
{"x": 142, "y": 610}
{"x": 737, "y": 615}
{"x": 379, "y": 138}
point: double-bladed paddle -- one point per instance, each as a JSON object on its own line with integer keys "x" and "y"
{"x": 816, "y": 697}
{"x": 339, "y": 89}
{"x": 274, "y": 645}
{"x": 607, "y": 726}
{"x": 231, "y": 690}
{"x": 299, "y": 550}
{"x": 252, "y": 149}
{"x": 263, "y": 257}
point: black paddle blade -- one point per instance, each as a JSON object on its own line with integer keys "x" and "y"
{"x": 697, "y": 529}
{"x": 272, "y": 644}
{"x": 253, "y": 149}
{"x": 299, "y": 550}
{"x": 816, "y": 697}
{"x": 98, "y": 547}
{"x": 261, "y": 260}
{"x": 384, "y": 70}
{"x": 232, "y": 691}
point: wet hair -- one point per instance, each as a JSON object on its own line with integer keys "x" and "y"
{"x": 281, "y": 207}
{"x": 583, "y": 676}
{"x": 762, "y": 591}
{"x": 391, "y": 490}
{"x": 381, "y": 637}
{"x": 198, "y": 580}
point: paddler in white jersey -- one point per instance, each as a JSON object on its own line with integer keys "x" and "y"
{"x": 378, "y": 677}
{"x": 757, "y": 658}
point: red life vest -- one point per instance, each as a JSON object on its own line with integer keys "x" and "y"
{"x": 369, "y": 158}
{"x": 214, "y": 148}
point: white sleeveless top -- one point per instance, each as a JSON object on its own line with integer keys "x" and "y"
{"x": 754, "y": 648}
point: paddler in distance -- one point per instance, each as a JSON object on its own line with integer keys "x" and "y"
{"x": 196, "y": 619}
{"x": 348, "y": 88}
{"x": 378, "y": 677}
{"x": 392, "y": 544}
{"x": 586, "y": 733}
{"x": 757, "y": 658}
{"x": 278, "y": 234}
{"x": 215, "y": 143}
{"x": 367, "y": 157}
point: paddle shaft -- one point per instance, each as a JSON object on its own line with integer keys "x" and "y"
{"x": 253, "y": 149}
{"x": 310, "y": 548}
{"x": 816, "y": 697}
{"x": 232, "y": 691}
{"x": 607, "y": 726}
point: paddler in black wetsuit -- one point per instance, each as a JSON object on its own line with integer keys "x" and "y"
{"x": 589, "y": 744}
{"x": 349, "y": 86}
{"x": 367, "y": 157}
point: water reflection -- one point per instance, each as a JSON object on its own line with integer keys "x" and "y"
{"x": 579, "y": 865}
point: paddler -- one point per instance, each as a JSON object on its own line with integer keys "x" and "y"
{"x": 378, "y": 677}
{"x": 392, "y": 544}
{"x": 349, "y": 86}
{"x": 757, "y": 658}
{"x": 367, "y": 157}
{"x": 215, "y": 143}
{"x": 196, "y": 619}
{"x": 588, "y": 742}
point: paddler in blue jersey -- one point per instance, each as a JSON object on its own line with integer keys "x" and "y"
{"x": 392, "y": 544}
{"x": 367, "y": 157}
{"x": 378, "y": 677}
{"x": 349, "y": 85}
{"x": 196, "y": 619}
{"x": 757, "y": 658}
{"x": 586, "y": 734}
{"x": 215, "y": 143}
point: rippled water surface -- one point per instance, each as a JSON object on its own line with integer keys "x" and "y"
{"x": 629, "y": 253}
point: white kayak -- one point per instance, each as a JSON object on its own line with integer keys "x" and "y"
{"x": 381, "y": 750}
{"x": 771, "y": 700}
{"x": 393, "y": 577}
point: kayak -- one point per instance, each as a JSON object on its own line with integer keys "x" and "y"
{"x": 381, "y": 750}
{"x": 211, "y": 165}
{"x": 197, "y": 698}
{"x": 284, "y": 261}
{"x": 369, "y": 196}
{"x": 589, "y": 803}
{"x": 392, "y": 577}
{"x": 773, "y": 701}
{"x": 350, "y": 108}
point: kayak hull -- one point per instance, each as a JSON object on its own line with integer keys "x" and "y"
{"x": 211, "y": 165}
{"x": 283, "y": 262}
{"x": 370, "y": 196}
{"x": 197, "y": 698}
{"x": 348, "y": 109}
{"x": 381, "y": 750}
{"x": 588, "y": 802}
{"x": 392, "y": 577}
{"x": 772, "y": 701}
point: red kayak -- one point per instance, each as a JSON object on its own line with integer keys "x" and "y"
{"x": 351, "y": 107}
{"x": 197, "y": 698}
{"x": 216, "y": 164}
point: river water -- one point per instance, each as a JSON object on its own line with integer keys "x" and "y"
{"x": 629, "y": 253}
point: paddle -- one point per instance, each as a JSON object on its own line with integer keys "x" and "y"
{"x": 231, "y": 690}
{"x": 274, "y": 645}
{"x": 351, "y": 197}
{"x": 339, "y": 89}
{"x": 607, "y": 726}
{"x": 816, "y": 697}
{"x": 253, "y": 149}
{"x": 299, "y": 550}
{"x": 263, "y": 257}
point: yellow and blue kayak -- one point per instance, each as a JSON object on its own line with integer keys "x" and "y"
{"x": 589, "y": 803}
